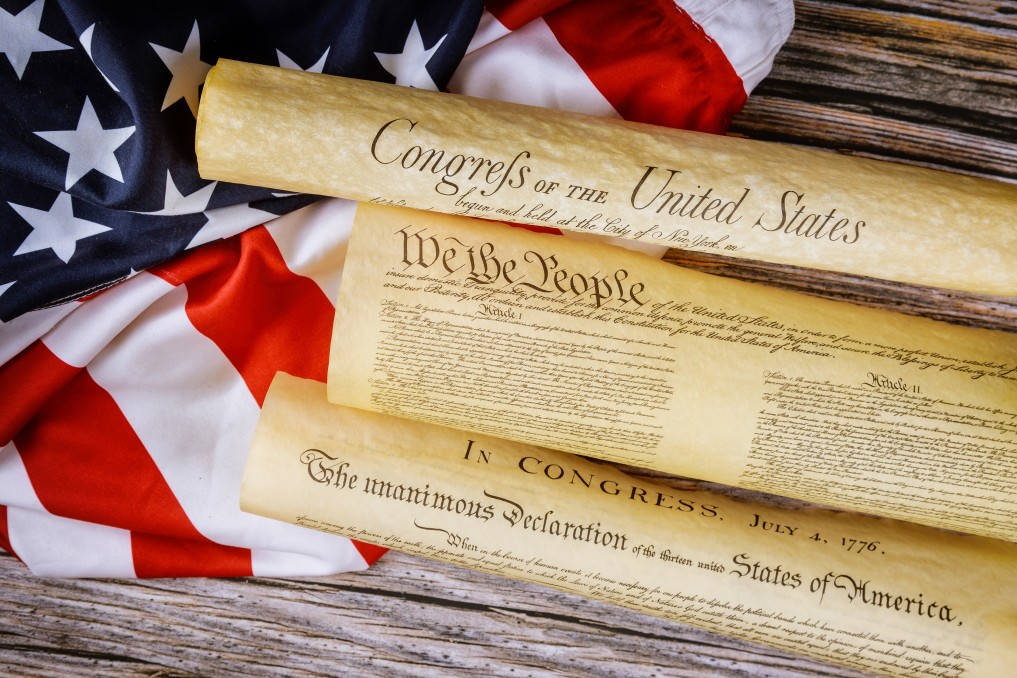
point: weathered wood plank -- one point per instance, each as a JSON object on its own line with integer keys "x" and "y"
{"x": 961, "y": 308}
{"x": 404, "y": 617}
{"x": 927, "y": 83}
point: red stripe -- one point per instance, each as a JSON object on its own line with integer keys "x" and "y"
{"x": 262, "y": 316}
{"x": 533, "y": 227}
{"x": 514, "y": 14}
{"x": 86, "y": 462}
{"x": 159, "y": 556}
{"x": 27, "y": 381}
{"x": 649, "y": 59}
{"x": 5, "y": 535}
{"x": 369, "y": 552}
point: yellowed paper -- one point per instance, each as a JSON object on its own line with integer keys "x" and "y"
{"x": 867, "y": 593}
{"x": 599, "y": 351}
{"x": 396, "y": 145}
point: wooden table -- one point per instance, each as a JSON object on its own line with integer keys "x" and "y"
{"x": 932, "y": 83}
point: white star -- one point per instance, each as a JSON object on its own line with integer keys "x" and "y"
{"x": 20, "y": 36}
{"x": 6, "y": 286}
{"x": 90, "y": 146}
{"x": 55, "y": 229}
{"x": 410, "y": 66}
{"x": 178, "y": 203}
{"x": 226, "y": 221}
{"x": 287, "y": 62}
{"x": 188, "y": 71}
{"x": 86, "y": 42}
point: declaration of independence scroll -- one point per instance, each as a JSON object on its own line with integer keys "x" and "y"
{"x": 374, "y": 142}
{"x": 596, "y": 350}
{"x": 869, "y": 593}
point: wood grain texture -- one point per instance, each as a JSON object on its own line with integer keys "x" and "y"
{"x": 403, "y": 617}
{"x": 928, "y": 83}
{"x": 931, "y": 83}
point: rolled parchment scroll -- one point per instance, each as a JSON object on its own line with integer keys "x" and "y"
{"x": 381, "y": 143}
{"x": 872, "y": 594}
{"x": 604, "y": 352}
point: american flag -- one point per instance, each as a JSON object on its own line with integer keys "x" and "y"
{"x": 143, "y": 310}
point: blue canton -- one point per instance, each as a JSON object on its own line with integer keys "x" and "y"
{"x": 98, "y": 177}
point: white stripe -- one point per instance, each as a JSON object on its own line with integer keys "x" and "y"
{"x": 196, "y": 417}
{"x": 307, "y": 554}
{"x": 52, "y": 546}
{"x": 188, "y": 406}
{"x": 18, "y": 334}
{"x": 488, "y": 30}
{"x": 750, "y": 32}
{"x": 528, "y": 66}
{"x": 313, "y": 241}
{"x": 15, "y": 487}
{"x": 81, "y": 335}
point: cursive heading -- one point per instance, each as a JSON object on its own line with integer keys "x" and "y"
{"x": 453, "y": 168}
{"x": 535, "y": 271}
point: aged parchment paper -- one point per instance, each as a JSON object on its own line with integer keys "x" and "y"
{"x": 869, "y": 593}
{"x": 599, "y": 351}
{"x": 396, "y": 145}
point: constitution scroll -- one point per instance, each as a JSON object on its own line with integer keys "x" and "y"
{"x": 608, "y": 353}
{"x": 382, "y": 143}
{"x": 868, "y": 593}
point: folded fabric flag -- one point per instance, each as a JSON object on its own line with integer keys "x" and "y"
{"x": 127, "y": 414}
